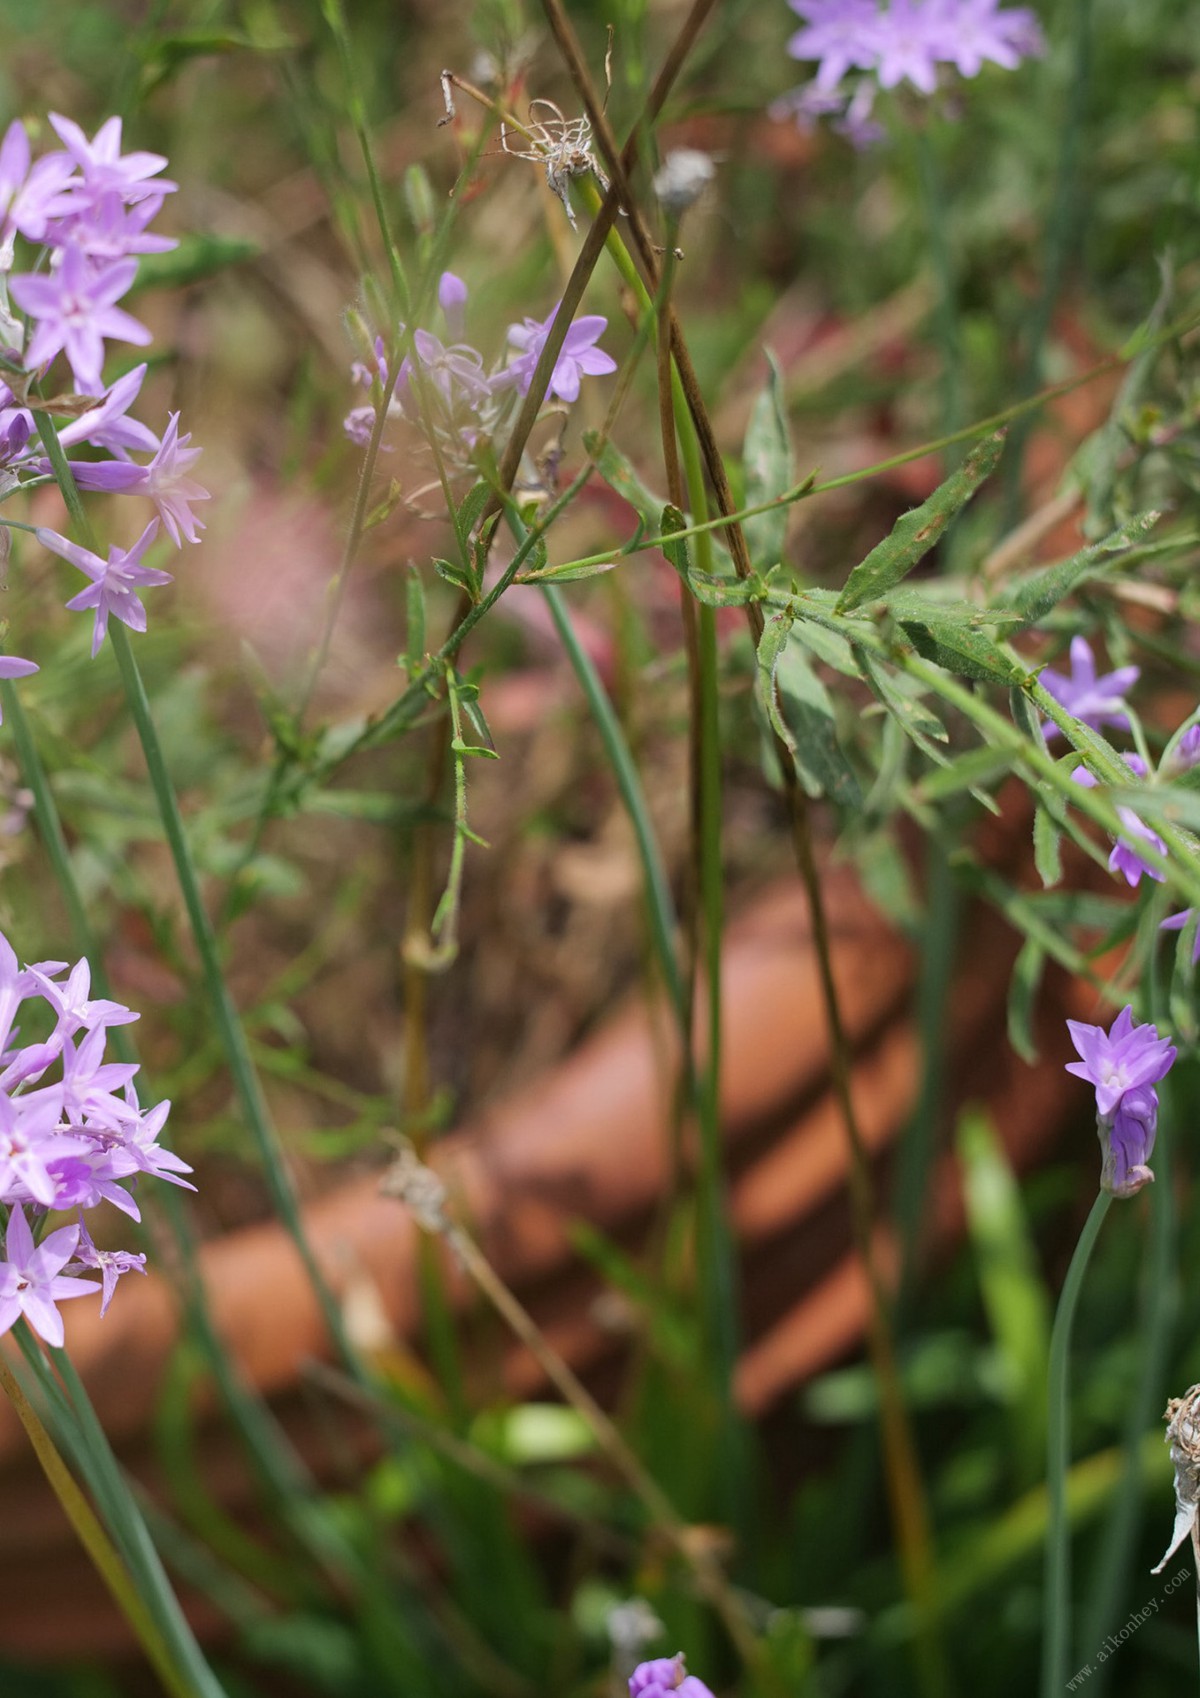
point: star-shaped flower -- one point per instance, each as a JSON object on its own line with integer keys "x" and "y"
{"x": 32, "y": 1280}
{"x": 115, "y": 581}
{"x": 578, "y": 356}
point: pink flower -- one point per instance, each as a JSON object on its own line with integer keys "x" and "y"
{"x": 75, "y": 311}
{"x": 577, "y": 358}
{"x": 32, "y": 1281}
{"x": 114, "y": 581}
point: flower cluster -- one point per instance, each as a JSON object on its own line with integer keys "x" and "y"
{"x": 1124, "y": 1064}
{"x": 664, "y": 1676}
{"x": 1099, "y": 702}
{"x": 448, "y": 390}
{"x": 72, "y": 225}
{"x": 860, "y": 47}
{"x": 70, "y": 1142}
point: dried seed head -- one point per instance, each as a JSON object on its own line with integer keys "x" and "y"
{"x": 419, "y": 1187}
{"x": 682, "y": 179}
{"x": 1183, "y": 1435}
{"x": 563, "y": 145}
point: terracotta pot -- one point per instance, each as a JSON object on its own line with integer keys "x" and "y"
{"x": 587, "y": 1142}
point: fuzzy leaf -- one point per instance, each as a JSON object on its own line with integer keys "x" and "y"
{"x": 1037, "y": 594}
{"x": 620, "y": 476}
{"x": 770, "y": 469}
{"x": 958, "y": 646}
{"x": 802, "y": 714}
{"x": 915, "y": 534}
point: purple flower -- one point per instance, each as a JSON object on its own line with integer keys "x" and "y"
{"x": 664, "y": 1676}
{"x": 1124, "y": 1064}
{"x": 102, "y": 165}
{"x": 973, "y": 31}
{"x": 1176, "y": 923}
{"x": 109, "y": 230}
{"x": 1186, "y": 753}
{"x": 29, "y": 1139}
{"x": 75, "y": 311}
{"x": 899, "y": 41}
{"x": 111, "y": 1264}
{"x": 907, "y": 45}
{"x": 452, "y": 298}
{"x": 12, "y": 667}
{"x": 578, "y": 357}
{"x": 1094, "y": 701}
{"x": 29, "y": 196}
{"x": 106, "y": 426}
{"x": 456, "y": 372}
{"x": 842, "y": 34}
{"x": 166, "y": 482}
{"x": 72, "y": 1002}
{"x": 1116, "y": 1061}
{"x": 114, "y": 581}
{"x": 32, "y": 1281}
{"x": 1125, "y": 858}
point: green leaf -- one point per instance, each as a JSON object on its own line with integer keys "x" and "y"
{"x": 1036, "y": 595}
{"x": 801, "y": 713}
{"x": 712, "y": 591}
{"x": 468, "y": 515}
{"x": 1047, "y": 848}
{"x": 414, "y": 623}
{"x": 977, "y": 766}
{"x": 770, "y": 469}
{"x": 898, "y": 696}
{"x": 1023, "y": 988}
{"x": 456, "y": 574}
{"x": 915, "y": 534}
{"x": 620, "y": 476}
{"x": 957, "y": 646}
{"x": 196, "y": 258}
{"x": 1009, "y": 1278}
{"x": 570, "y": 572}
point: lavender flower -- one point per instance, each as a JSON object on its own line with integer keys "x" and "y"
{"x": 1176, "y": 923}
{"x": 12, "y": 667}
{"x": 1124, "y": 1064}
{"x": 74, "y": 308}
{"x": 102, "y": 166}
{"x": 1125, "y": 858}
{"x": 70, "y": 1143}
{"x": 455, "y": 372}
{"x": 115, "y": 581}
{"x": 899, "y": 41}
{"x": 578, "y": 357}
{"x": 1094, "y": 701}
{"x": 32, "y": 1280}
{"x": 452, "y": 298}
{"x": 110, "y": 1264}
{"x": 664, "y": 1676}
{"x": 1186, "y": 753}
{"x": 166, "y": 483}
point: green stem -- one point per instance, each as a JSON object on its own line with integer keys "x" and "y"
{"x": 658, "y": 892}
{"x": 717, "y": 1267}
{"x": 225, "y": 1016}
{"x": 100, "y": 1549}
{"x": 1056, "y": 1590}
{"x": 94, "y": 1457}
{"x": 946, "y": 316}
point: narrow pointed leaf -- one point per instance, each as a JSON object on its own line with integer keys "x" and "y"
{"x": 915, "y": 534}
{"x": 770, "y": 470}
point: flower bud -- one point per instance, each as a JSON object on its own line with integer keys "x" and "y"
{"x": 681, "y": 179}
